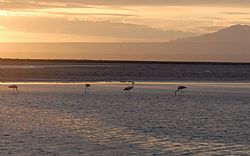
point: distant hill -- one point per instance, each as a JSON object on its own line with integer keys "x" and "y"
{"x": 236, "y": 33}
{"x": 229, "y": 44}
{"x": 232, "y": 43}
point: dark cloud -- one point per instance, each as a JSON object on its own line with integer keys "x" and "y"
{"x": 89, "y": 28}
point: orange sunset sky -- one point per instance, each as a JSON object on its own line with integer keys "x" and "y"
{"x": 116, "y": 20}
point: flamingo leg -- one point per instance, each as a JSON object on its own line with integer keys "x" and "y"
{"x": 181, "y": 92}
{"x": 14, "y": 91}
{"x": 176, "y": 92}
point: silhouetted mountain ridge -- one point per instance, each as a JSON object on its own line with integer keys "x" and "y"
{"x": 231, "y": 44}
{"x": 235, "y": 33}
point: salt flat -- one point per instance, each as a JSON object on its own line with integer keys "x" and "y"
{"x": 57, "y": 119}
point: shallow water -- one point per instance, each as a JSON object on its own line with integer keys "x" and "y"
{"x": 57, "y": 119}
{"x": 52, "y": 71}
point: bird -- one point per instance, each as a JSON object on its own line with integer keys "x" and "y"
{"x": 86, "y": 87}
{"x": 180, "y": 88}
{"x": 127, "y": 89}
{"x": 15, "y": 89}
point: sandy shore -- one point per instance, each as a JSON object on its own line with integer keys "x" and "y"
{"x": 56, "y": 119}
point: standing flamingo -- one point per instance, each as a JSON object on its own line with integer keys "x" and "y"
{"x": 180, "y": 88}
{"x": 86, "y": 87}
{"x": 127, "y": 89}
{"x": 15, "y": 89}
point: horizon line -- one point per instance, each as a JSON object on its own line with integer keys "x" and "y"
{"x": 121, "y": 61}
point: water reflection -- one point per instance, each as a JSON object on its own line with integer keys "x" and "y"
{"x": 89, "y": 128}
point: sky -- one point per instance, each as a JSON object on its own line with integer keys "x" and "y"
{"x": 116, "y": 20}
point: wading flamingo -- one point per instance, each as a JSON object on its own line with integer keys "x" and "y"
{"x": 86, "y": 87}
{"x": 15, "y": 89}
{"x": 129, "y": 88}
{"x": 180, "y": 89}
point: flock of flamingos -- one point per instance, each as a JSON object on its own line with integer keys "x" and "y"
{"x": 126, "y": 90}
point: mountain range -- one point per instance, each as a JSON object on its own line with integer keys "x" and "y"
{"x": 231, "y": 44}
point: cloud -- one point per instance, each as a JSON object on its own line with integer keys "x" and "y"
{"x": 212, "y": 28}
{"x": 163, "y": 2}
{"x": 236, "y": 13}
{"x": 37, "y": 4}
{"x": 213, "y": 18}
{"x": 92, "y": 14}
{"x": 89, "y": 28}
{"x": 152, "y": 2}
{"x": 2, "y": 28}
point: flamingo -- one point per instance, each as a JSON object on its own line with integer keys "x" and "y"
{"x": 86, "y": 87}
{"x": 15, "y": 89}
{"x": 127, "y": 89}
{"x": 180, "y": 88}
